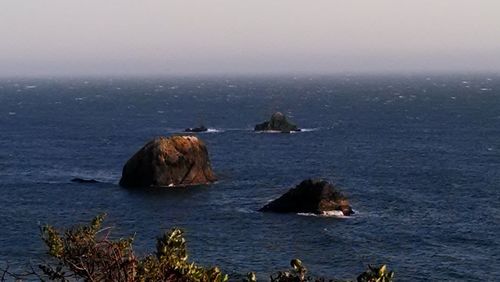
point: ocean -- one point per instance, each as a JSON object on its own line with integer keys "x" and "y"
{"x": 418, "y": 156}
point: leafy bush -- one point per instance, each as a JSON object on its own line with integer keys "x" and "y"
{"x": 87, "y": 253}
{"x": 299, "y": 271}
{"x": 376, "y": 274}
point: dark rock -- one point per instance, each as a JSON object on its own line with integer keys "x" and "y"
{"x": 310, "y": 196}
{"x": 82, "y": 180}
{"x": 174, "y": 161}
{"x": 196, "y": 129}
{"x": 278, "y": 122}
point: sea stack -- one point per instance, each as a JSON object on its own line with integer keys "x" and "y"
{"x": 278, "y": 122}
{"x": 311, "y": 196}
{"x": 169, "y": 162}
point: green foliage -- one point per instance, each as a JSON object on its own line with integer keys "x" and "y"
{"x": 376, "y": 274}
{"x": 299, "y": 271}
{"x": 86, "y": 252}
{"x": 170, "y": 263}
{"x": 251, "y": 277}
{"x": 296, "y": 274}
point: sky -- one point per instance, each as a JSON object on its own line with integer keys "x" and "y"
{"x": 170, "y": 37}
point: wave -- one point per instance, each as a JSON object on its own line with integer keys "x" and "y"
{"x": 214, "y": 130}
{"x": 309, "y": 129}
{"x": 220, "y": 130}
{"x": 245, "y": 210}
{"x": 209, "y": 130}
{"x": 336, "y": 214}
{"x": 302, "y": 130}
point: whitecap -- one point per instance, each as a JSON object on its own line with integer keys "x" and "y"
{"x": 245, "y": 210}
{"x": 307, "y": 130}
{"x": 333, "y": 213}
{"x": 291, "y": 132}
{"x": 12, "y": 113}
{"x": 336, "y": 214}
{"x": 209, "y": 130}
{"x": 214, "y": 130}
{"x": 307, "y": 214}
{"x": 30, "y": 86}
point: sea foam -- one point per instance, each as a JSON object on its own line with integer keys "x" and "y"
{"x": 337, "y": 214}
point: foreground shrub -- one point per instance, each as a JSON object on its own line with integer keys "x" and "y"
{"x": 376, "y": 274}
{"x": 298, "y": 273}
{"x": 86, "y": 252}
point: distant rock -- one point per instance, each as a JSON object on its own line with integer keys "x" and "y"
{"x": 167, "y": 162}
{"x": 278, "y": 122}
{"x": 82, "y": 180}
{"x": 196, "y": 129}
{"x": 311, "y": 196}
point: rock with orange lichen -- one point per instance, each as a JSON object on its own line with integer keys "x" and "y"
{"x": 311, "y": 196}
{"x": 168, "y": 162}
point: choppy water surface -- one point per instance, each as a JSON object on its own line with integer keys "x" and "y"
{"x": 419, "y": 157}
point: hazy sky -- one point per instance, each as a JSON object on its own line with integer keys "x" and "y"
{"x": 57, "y": 37}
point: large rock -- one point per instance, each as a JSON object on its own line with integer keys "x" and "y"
{"x": 278, "y": 122}
{"x": 311, "y": 196}
{"x": 174, "y": 161}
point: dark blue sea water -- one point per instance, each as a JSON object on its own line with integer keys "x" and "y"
{"x": 419, "y": 158}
